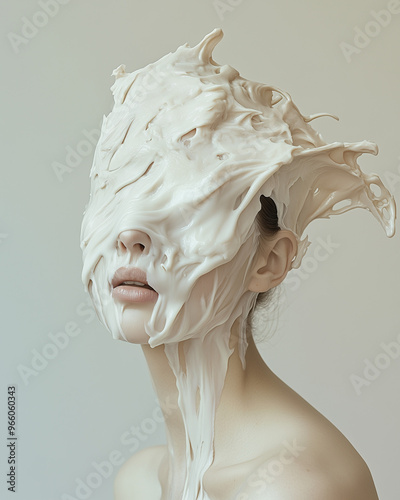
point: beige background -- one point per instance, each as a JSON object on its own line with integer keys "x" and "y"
{"x": 79, "y": 409}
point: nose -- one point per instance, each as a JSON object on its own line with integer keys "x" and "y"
{"x": 133, "y": 241}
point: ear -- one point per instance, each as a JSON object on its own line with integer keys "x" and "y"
{"x": 273, "y": 261}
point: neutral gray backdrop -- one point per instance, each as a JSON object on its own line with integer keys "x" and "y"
{"x": 77, "y": 412}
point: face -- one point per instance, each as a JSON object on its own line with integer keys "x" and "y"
{"x": 191, "y": 242}
{"x": 164, "y": 171}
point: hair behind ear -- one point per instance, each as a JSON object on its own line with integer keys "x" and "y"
{"x": 263, "y": 318}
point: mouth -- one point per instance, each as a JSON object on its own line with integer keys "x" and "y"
{"x": 135, "y": 283}
{"x": 130, "y": 285}
{"x": 130, "y": 276}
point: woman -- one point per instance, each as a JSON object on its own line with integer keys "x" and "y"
{"x": 202, "y": 186}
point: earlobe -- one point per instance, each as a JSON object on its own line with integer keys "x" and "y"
{"x": 273, "y": 262}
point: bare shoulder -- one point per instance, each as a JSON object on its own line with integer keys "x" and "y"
{"x": 309, "y": 471}
{"x": 301, "y": 482}
{"x": 138, "y": 476}
{"x": 313, "y": 461}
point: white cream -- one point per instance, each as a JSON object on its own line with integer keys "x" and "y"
{"x": 184, "y": 156}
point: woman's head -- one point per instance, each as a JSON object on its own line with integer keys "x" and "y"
{"x": 184, "y": 157}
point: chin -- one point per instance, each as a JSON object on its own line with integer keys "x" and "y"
{"x": 133, "y": 321}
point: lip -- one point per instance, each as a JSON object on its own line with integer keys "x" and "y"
{"x": 132, "y": 293}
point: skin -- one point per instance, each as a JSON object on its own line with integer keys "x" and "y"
{"x": 269, "y": 442}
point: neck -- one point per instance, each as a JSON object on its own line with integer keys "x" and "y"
{"x": 239, "y": 398}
